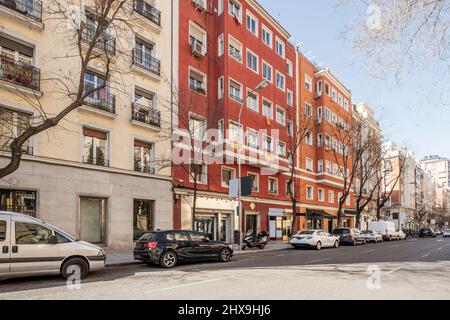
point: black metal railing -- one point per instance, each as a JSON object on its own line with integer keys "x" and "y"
{"x": 105, "y": 42}
{"x": 19, "y": 73}
{"x": 146, "y": 115}
{"x": 102, "y": 162}
{"x": 236, "y": 97}
{"x": 148, "y": 11}
{"x": 102, "y": 100}
{"x": 236, "y": 53}
{"x": 29, "y": 8}
{"x": 144, "y": 168}
{"x": 146, "y": 61}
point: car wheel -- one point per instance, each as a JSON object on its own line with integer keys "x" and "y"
{"x": 73, "y": 266}
{"x": 336, "y": 244}
{"x": 262, "y": 246}
{"x": 169, "y": 260}
{"x": 225, "y": 255}
{"x": 318, "y": 246}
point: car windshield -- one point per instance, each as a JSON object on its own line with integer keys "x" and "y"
{"x": 341, "y": 231}
{"x": 65, "y": 234}
{"x": 368, "y": 232}
{"x": 306, "y": 233}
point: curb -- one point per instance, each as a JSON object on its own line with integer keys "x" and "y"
{"x": 236, "y": 253}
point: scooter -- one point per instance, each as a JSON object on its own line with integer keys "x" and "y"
{"x": 261, "y": 240}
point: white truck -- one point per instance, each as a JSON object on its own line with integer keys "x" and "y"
{"x": 386, "y": 228}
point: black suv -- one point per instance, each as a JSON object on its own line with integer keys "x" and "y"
{"x": 427, "y": 232}
{"x": 350, "y": 236}
{"x": 167, "y": 248}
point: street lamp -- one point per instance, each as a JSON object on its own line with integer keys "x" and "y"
{"x": 259, "y": 87}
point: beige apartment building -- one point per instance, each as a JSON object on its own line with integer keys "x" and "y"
{"x": 101, "y": 174}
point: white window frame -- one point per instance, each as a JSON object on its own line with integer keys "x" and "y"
{"x": 241, "y": 96}
{"x": 280, "y": 76}
{"x": 290, "y": 68}
{"x": 319, "y": 192}
{"x": 308, "y": 82}
{"x": 310, "y": 196}
{"x": 233, "y": 40}
{"x": 289, "y": 98}
{"x": 283, "y": 122}
{"x": 309, "y": 165}
{"x": 263, "y": 110}
{"x": 251, "y": 92}
{"x": 256, "y": 21}
{"x": 256, "y": 190}
{"x": 221, "y": 175}
{"x": 280, "y": 44}
{"x": 248, "y": 51}
{"x": 270, "y": 33}
{"x": 283, "y": 154}
{"x": 277, "y": 186}
{"x": 221, "y": 45}
{"x": 264, "y": 63}
{"x": 221, "y": 87}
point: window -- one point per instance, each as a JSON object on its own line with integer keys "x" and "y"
{"x": 339, "y": 197}
{"x": 281, "y": 116}
{"x": 144, "y": 157}
{"x": 319, "y": 140}
{"x": 197, "y": 128}
{"x": 320, "y": 166}
{"x": 267, "y": 109}
{"x": 30, "y": 233}
{"x": 334, "y": 119}
{"x": 235, "y": 134}
{"x": 319, "y": 87}
{"x": 281, "y": 149}
{"x": 95, "y": 147}
{"x": 235, "y": 49}
{"x": 290, "y": 128}
{"x": 197, "y": 81}
{"x": 199, "y": 171}
{"x": 221, "y": 129}
{"x": 308, "y": 83}
{"x": 309, "y": 165}
{"x": 220, "y": 7}
{"x": 289, "y": 189}
{"x": 290, "y": 68}
{"x": 267, "y": 72}
{"x": 309, "y": 138}
{"x": 321, "y": 195}
{"x": 252, "y": 23}
{"x": 177, "y": 236}
{"x": 348, "y": 201}
{"x": 308, "y": 110}
{"x": 198, "y": 39}
{"x": 327, "y": 89}
{"x": 255, "y": 181}
{"x": 279, "y": 47}
{"x": 234, "y": 9}
{"x": 18, "y": 201}
{"x": 12, "y": 125}
{"x": 2, "y": 230}
{"x": 228, "y": 174}
{"x": 142, "y": 217}
{"x": 273, "y": 186}
{"x": 281, "y": 81}
{"x": 309, "y": 193}
{"x": 290, "y": 98}
{"x": 267, "y": 144}
{"x": 340, "y": 100}
{"x": 236, "y": 91}
{"x": 334, "y": 95}
{"x": 221, "y": 45}
{"x": 252, "y": 138}
{"x": 221, "y": 87}
{"x": 327, "y": 141}
{"x": 252, "y": 101}
{"x": 319, "y": 114}
{"x": 100, "y": 98}
{"x": 252, "y": 61}
{"x": 331, "y": 196}
{"x": 267, "y": 36}
{"x": 327, "y": 114}
{"x": 346, "y": 105}
{"x": 328, "y": 167}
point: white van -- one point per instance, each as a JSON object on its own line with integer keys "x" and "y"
{"x": 386, "y": 228}
{"x": 29, "y": 246}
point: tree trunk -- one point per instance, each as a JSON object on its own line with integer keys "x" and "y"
{"x": 294, "y": 213}
{"x": 194, "y": 206}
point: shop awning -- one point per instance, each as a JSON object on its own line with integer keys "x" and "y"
{"x": 317, "y": 214}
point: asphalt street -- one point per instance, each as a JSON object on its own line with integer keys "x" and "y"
{"x": 410, "y": 269}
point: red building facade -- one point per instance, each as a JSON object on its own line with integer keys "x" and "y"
{"x": 234, "y": 59}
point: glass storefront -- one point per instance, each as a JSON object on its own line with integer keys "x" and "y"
{"x": 281, "y": 227}
{"x": 18, "y": 201}
{"x": 218, "y": 226}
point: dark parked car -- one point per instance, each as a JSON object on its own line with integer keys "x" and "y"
{"x": 167, "y": 248}
{"x": 427, "y": 232}
{"x": 350, "y": 236}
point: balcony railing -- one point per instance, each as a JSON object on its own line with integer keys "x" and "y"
{"x": 148, "y": 11}
{"x": 29, "y": 8}
{"x": 236, "y": 97}
{"x": 102, "y": 162}
{"x": 146, "y": 61}
{"x": 102, "y": 100}
{"x": 105, "y": 42}
{"x": 19, "y": 73}
{"x": 146, "y": 168}
{"x": 235, "y": 53}
{"x": 146, "y": 115}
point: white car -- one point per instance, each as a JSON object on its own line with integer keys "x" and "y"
{"x": 29, "y": 247}
{"x": 317, "y": 239}
{"x": 372, "y": 236}
{"x": 446, "y": 233}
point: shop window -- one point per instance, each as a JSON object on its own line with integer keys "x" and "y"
{"x": 18, "y": 201}
{"x": 142, "y": 217}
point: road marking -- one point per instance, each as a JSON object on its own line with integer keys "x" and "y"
{"x": 427, "y": 255}
{"x": 187, "y": 285}
{"x": 394, "y": 246}
{"x": 368, "y": 251}
{"x": 320, "y": 260}
{"x": 395, "y": 270}
{"x": 440, "y": 240}
{"x": 439, "y": 249}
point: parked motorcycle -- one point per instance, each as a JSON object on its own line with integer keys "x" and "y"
{"x": 260, "y": 241}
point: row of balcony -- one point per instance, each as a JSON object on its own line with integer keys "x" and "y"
{"x": 33, "y": 9}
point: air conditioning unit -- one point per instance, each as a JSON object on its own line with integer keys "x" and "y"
{"x": 198, "y": 49}
{"x": 200, "y": 5}
{"x": 317, "y": 95}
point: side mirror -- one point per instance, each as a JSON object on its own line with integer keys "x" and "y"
{"x": 53, "y": 240}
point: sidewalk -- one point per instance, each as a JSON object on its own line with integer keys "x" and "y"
{"x": 117, "y": 258}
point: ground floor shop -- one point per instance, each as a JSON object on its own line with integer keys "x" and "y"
{"x": 106, "y": 207}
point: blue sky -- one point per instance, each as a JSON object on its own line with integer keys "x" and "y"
{"x": 410, "y": 112}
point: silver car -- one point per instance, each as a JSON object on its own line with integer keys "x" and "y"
{"x": 317, "y": 239}
{"x": 29, "y": 246}
{"x": 372, "y": 236}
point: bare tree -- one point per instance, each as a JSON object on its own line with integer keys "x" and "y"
{"x": 92, "y": 38}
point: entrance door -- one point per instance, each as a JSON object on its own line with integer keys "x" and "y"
{"x": 330, "y": 226}
{"x": 5, "y": 248}
{"x": 225, "y": 229}
{"x": 251, "y": 222}
{"x": 92, "y": 220}
{"x": 206, "y": 224}
{"x": 273, "y": 227}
